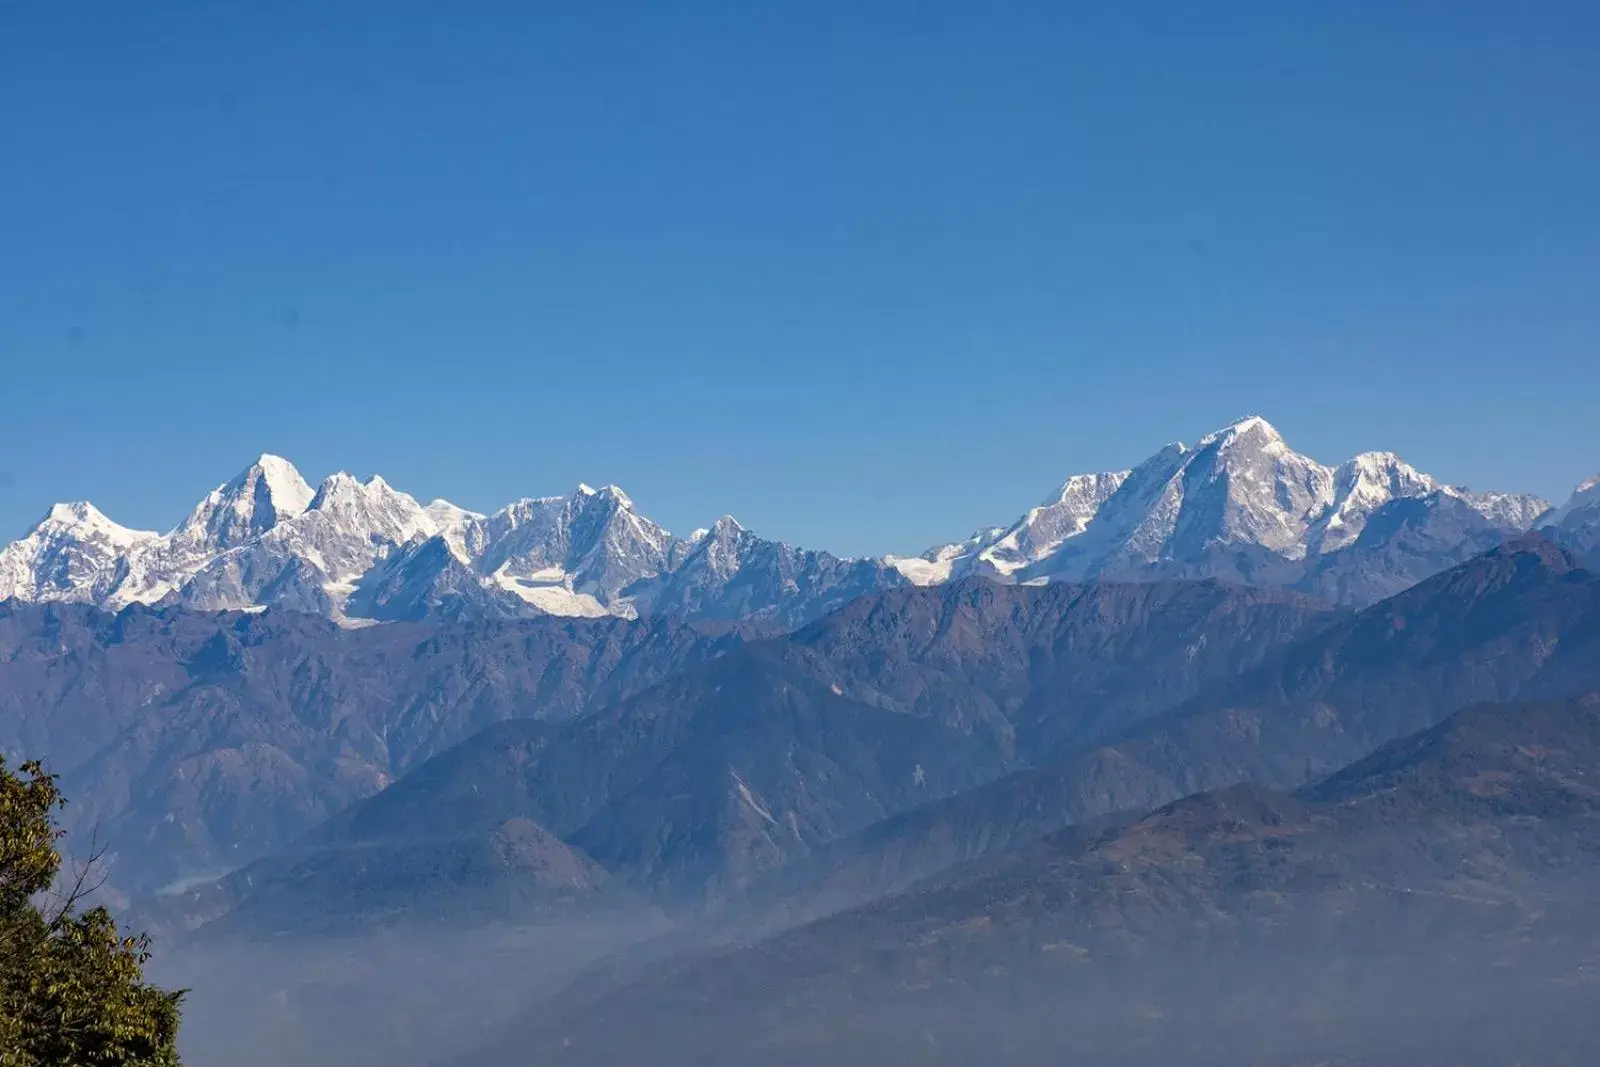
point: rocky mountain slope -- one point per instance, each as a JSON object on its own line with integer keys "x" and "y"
{"x": 1522, "y": 621}
{"x": 191, "y": 743}
{"x": 692, "y": 789}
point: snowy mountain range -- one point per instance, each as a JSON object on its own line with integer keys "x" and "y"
{"x": 365, "y": 552}
{"x": 1239, "y": 505}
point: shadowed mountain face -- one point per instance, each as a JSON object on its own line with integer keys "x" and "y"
{"x": 1463, "y": 857}
{"x": 1520, "y": 621}
{"x": 1402, "y": 543}
{"x": 1055, "y": 663}
{"x": 517, "y": 872}
{"x": 1576, "y": 524}
{"x": 692, "y": 787}
{"x": 704, "y": 783}
{"x": 192, "y": 743}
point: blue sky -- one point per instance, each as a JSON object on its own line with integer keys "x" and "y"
{"x": 865, "y": 275}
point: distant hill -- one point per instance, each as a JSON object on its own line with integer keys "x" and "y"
{"x": 1464, "y": 856}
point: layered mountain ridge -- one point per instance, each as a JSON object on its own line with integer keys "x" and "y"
{"x": 1240, "y": 505}
{"x": 924, "y": 727}
{"x": 1455, "y": 861}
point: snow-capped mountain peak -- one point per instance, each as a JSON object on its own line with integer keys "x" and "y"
{"x": 255, "y": 500}
{"x": 1585, "y": 499}
{"x": 1252, "y": 428}
{"x": 1360, "y": 486}
{"x": 574, "y": 554}
{"x": 372, "y": 506}
{"x": 723, "y": 547}
{"x": 1379, "y": 466}
{"x": 338, "y": 486}
{"x": 1236, "y": 501}
{"x": 1242, "y": 484}
{"x": 462, "y": 530}
{"x": 290, "y": 492}
{"x": 1576, "y": 524}
{"x": 82, "y": 517}
{"x": 1002, "y": 551}
{"x": 73, "y": 553}
{"x": 614, "y": 494}
{"x": 1064, "y": 515}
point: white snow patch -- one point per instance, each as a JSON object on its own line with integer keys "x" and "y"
{"x": 291, "y": 494}
{"x": 920, "y": 571}
{"x": 548, "y": 596}
{"x": 749, "y": 798}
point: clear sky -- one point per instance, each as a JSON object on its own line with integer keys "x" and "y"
{"x": 865, "y": 275}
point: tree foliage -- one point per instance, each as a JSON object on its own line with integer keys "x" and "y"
{"x": 72, "y": 989}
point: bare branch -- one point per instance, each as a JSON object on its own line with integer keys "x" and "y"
{"x": 89, "y": 877}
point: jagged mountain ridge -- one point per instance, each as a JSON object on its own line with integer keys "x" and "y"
{"x": 1240, "y": 505}
{"x": 366, "y": 552}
